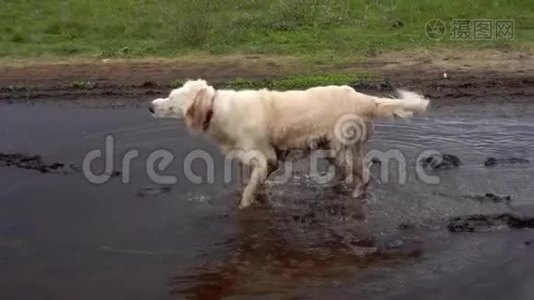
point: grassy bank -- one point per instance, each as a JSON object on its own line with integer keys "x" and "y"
{"x": 321, "y": 29}
{"x": 291, "y": 82}
{"x": 286, "y": 83}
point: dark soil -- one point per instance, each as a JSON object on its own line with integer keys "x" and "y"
{"x": 441, "y": 162}
{"x": 140, "y": 81}
{"x": 490, "y": 197}
{"x": 492, "y": 161}
{"x": 34, "y": 162}
{"x": 152, "y": 191}
{"x": 474, "y": 223}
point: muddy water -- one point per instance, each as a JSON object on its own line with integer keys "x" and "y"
{"x": 63, "y": 237}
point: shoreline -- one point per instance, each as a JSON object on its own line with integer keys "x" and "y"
{"x": 470, "y": 76}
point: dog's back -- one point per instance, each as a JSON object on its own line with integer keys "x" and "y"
{"x": 298, "y": 118}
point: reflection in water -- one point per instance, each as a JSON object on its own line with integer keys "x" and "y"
{"x": 310, "y": 237}
{"x": 276, "y": 248}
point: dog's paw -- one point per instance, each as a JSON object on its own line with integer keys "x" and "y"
{"x": 246, "y": 202}
{"x": 358, "y": 193}
{"x": 242, "y": 206}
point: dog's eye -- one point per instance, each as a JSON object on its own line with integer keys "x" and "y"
{"x": 171, "y": 108}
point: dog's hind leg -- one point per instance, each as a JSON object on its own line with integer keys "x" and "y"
{"x": 360, "y": 172}
{"x": 351, "y": 166}
{"x": 343, "y": 158}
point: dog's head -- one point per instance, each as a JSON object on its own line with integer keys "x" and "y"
{"x": 191, "y": 102}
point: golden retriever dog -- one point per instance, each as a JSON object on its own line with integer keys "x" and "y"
{"x": 260, "y": 127}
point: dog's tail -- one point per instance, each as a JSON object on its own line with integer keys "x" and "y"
{"x": 404, "y": 106}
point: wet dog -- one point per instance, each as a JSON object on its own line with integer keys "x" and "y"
{"x": 259, "y": 127}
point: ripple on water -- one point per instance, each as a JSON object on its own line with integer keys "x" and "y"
{"x": 468, "y": 136}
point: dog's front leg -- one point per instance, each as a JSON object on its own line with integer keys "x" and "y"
{"x": 257, "y": 178}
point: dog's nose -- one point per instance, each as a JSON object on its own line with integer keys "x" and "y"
{"x": 151, "y": 108}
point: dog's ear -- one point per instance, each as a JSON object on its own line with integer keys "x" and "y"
{"x": 199, "y": 110}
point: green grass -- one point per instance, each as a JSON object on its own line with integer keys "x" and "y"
{"x": 176, "y": 83}
{"x": 297, "y": 82}
{"x": 291, "y": 82}
{"x": 323, "y": 29}
{"x": 82, "y": 85}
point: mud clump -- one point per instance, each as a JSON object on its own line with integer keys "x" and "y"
{"x": 492, "y": 161}
{"x": 114, "y": 173}
{"x": 152, "y": 191}
{"x": 149, "y": 85}
{"x": 477, "y": 223}
{"x": 381, "y": 85}
{"x": 376, "y": 161}
{"x": 309, "y": 217}
{"x": 33, "y": 162}
{"x": 406, "y": 226}
{"x": 489, "y": 197}
{"x": 440, "y": 162}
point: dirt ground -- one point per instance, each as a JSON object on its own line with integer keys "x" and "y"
{"x": 475, "y": 76}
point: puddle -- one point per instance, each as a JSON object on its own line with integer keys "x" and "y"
{"x": 310, "y": 241}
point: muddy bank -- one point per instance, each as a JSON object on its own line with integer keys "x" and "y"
{"x": 474, "y": 223}
{"x": 128, "y": 81}
{"x": 34, "y": 163}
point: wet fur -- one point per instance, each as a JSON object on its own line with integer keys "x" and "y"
{"x": 264, "y": 125}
